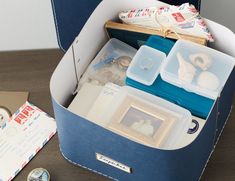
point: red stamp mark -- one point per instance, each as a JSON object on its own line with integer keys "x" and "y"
{"x": 23, "y": 116}
{"x": 178, "y": 17}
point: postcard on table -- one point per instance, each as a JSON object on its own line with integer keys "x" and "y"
{"x": 23, "y": 135}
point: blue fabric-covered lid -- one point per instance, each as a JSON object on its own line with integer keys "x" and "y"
{"x": 70, "y": 16}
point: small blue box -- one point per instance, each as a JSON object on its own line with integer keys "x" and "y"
{"x": 162, "y": 44}
{"x": 99, "y": 150}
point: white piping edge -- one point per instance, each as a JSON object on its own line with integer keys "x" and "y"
{"x": 199, "y": 5}
{"x": 56, "y": 25}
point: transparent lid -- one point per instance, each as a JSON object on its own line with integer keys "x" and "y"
{"x": 197, "y": 68}
{"x": 145, "y": 65}
{"x": 147, "y": 119}
{"x": 110, "y": 64}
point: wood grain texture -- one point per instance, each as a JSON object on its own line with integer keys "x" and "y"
{"x": 139, "y": 29}
{"x": 31, "y": 71}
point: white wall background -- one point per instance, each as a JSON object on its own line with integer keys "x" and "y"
{"x": 26, "y": 24}
{"x": 29, "y": 24}
{"x": 221, "y": 11}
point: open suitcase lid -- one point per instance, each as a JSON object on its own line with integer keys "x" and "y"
{"x": 70, "y": 17}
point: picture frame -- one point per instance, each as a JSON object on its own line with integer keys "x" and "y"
{"x": 142, "y": 121}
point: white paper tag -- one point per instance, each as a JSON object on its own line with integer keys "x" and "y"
{"x": 113, "y": 163}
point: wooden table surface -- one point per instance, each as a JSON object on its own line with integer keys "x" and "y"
{"x": 31, "y": 71}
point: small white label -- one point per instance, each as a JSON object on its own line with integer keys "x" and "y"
{"x": 113, "y": 163}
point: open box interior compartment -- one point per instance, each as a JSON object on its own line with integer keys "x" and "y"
{"x": 81, "y": 140}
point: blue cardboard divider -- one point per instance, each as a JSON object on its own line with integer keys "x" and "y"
{"x": 198, "y": 105}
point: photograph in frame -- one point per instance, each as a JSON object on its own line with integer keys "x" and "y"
{"x": 142, "y": 122}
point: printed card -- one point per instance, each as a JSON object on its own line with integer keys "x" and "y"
{"x": 22, "y": 136}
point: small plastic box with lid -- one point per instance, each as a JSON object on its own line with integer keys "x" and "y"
{"x": 197, "y": 68}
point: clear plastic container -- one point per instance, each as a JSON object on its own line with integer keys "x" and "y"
{"x": 145, "y": 65}
{"x": 110, "y": 64}
{"x": 147, "y": 119}
{"x": 197, "y": 68}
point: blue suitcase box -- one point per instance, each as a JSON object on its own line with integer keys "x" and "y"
{"x": 81, "y": 140}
